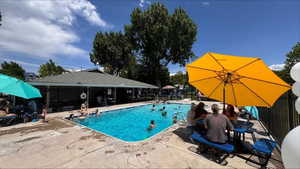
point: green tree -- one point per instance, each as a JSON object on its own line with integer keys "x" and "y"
{"x": 160, "y": 38}
{"x": 140, "y": 73}
{"x": 12, "y": 69}
{"x": 164, "y": 76}
{"x": 130, "y": 70}
{"x": 112, "y": 51}
{"x": 178, "y": 78}
{"x": 50, "y": 69}
{"x": 292, "y": 58}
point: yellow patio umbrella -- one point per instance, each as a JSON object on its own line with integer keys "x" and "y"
{"x": 240, "y": 81}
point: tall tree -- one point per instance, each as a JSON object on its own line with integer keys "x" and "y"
{"x": 140, "y": 73}
{"x": 164, "y": 76}
{"x": 292, "y": 58}
{"x": 178, "y": 78}
{"x": 50, "y": 69}
{"x": 160, "y": 38}
{"x": 112, "y": 51}
{"x": 12, "y": 69}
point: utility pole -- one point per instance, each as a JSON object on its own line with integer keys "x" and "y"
{"x": 0, "y": 18}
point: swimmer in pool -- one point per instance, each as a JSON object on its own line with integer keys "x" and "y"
{"x": 152, "y": 125}
{"x": 153, "y": 107}
{"x": 162, "y": 109}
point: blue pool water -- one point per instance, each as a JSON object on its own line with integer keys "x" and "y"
{"x": 131, "y": 124}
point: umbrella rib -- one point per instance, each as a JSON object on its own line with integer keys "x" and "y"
{"x": 257, "y": 59}
{"x": 203, "y": 79}
{"x": 216, "y": 61}
{"x": 234, "y": 96}
{"x": 215, "y": 89}
{"x": 201, "y": 68}
{"x": 255, "y": 93}
{"x": 265, "y": 81}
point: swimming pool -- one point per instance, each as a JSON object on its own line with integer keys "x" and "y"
{"x": 130, "y": 124}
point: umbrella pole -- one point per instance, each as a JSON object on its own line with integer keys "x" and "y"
{"x": 224, "y": 97}
{"x": 226, "y": 81}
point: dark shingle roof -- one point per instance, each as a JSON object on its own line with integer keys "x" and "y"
{"x": 90, "y": 79}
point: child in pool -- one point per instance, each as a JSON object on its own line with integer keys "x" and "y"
{"x": 162, "y": 109}
{"x": 174, "y": 119}
{"x": 164, "y": 113}
{"x": 153, "y": 107}
{"x": 151, "y": 126}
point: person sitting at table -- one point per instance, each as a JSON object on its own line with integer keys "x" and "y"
{"x": 191, "y": 115}
{"x": 200, "y": 112}
{"x": 231, "y": 114}
{"x": 83, "y": 110}
{"x": 216, "y": 125}
{"x": 200, "y": 115}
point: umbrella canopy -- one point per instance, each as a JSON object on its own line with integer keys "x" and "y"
{"x": 13, "y": 86}
{"x": 169, "y": 87}
{"x": 240, "y": 81}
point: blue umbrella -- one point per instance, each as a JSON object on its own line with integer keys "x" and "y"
{"x": 253, "y": 111}
{"x": 13, "y": 86}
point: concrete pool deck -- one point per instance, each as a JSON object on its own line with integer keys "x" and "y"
{"x": 63, "y": 144}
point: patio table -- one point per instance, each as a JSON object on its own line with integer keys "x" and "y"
{"x": 238, "y": 132}
{"x": 240, "y": 128}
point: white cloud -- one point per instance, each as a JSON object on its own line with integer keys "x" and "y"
{"x": 23, "y": 64}
{"x": 277, "y": 67}
{"x": 205, "y": 3}
{"x": 87, "y": 10}
{"x": 43, "y": 28}
{"x": 143, "y": 2}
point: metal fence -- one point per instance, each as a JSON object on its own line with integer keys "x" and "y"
{"x": 281, "y": 117}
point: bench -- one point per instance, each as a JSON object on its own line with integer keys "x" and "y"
{"x": 227, "y": 148}
{"x": 263, "y": 149}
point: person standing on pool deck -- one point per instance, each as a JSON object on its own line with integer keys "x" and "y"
{"x": 152, "y": 125}
{"x": 44, "y": 113}
{"x": 216, "y": 124}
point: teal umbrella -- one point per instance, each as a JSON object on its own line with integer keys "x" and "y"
{"x": 13, "y": 86}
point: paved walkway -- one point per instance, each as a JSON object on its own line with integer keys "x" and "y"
{"x": 61, "y": 144}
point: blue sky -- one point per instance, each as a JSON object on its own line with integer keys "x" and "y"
{"x": 34, "y": 31}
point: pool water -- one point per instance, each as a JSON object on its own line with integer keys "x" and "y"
{"x": 131, "y": 124}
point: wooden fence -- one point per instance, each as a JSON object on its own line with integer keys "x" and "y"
{"x": 281, "y": 117}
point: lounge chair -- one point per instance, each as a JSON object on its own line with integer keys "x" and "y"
{"x": 263, "y": 149}
{"x": 30, "y": 117}
{"x": 7, "y": 120}
{"x": 227, "y": 148}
